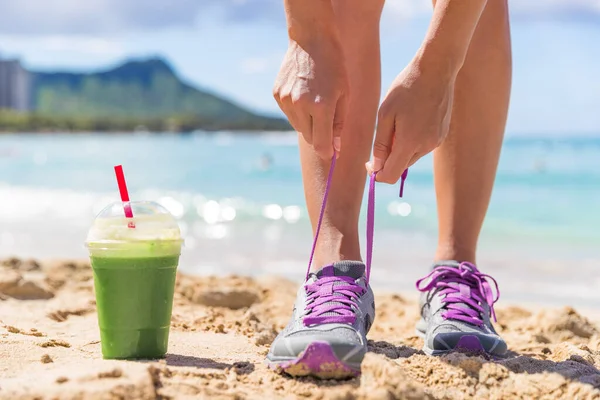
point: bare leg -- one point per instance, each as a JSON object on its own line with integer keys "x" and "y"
{"x": 465, "y": 164}
{"x": 358, "y": 23}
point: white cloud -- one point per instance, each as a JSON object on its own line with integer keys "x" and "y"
{"x": 555, "y": 7}
{"x": 254, "y": 65}
{"x": 82, "y": 45}
{"x": 93, "y": 17}
{"x": 530, "y": 9}
{"x": 521, "y": 8}
{"x": 31, "y": 17}
{"x": 261, "y": 65}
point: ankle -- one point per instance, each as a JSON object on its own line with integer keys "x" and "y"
{"x": 333, "y": 249}
{"x": 456, "y": 253}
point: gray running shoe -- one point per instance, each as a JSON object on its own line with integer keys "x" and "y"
{"x": 326, "y": 336}
{"x": 456, "y": 306}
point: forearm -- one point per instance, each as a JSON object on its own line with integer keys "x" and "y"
{"x": 449, "y": 35}
{"x": 309, "y": 19}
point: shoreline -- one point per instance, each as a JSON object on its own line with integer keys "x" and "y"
{"x": 221, "y": 330}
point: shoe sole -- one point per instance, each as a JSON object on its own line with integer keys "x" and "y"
{"x": 318, "y": 360}
{"x": 469, "y": 343}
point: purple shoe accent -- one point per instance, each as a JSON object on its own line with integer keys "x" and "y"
{"x": 469, "y": 342}
{"x": 464, "y": 290}
{"x": 318, "y": 359}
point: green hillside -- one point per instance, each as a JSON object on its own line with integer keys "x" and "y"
{"x": 140, "y": 91}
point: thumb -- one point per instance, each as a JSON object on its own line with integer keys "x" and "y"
{"x": 382, "y": 147}
{"x": 338, "y": 122}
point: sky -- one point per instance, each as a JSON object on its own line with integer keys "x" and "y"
{"x": 234, "y": 48}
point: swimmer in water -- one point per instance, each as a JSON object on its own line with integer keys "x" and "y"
{"x": 266, "y": 161}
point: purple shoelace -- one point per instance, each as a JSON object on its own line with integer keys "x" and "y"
{"x": 332, "y": 299}
{"x": 464, "y": 289}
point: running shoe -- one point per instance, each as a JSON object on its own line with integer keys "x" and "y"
{"x": 457, "y": 304}
{"x": 326, "y": 336}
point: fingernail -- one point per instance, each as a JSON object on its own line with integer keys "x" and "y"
{"x": 369, "y": 167}
{"x": 377, "y": 164}
{"x": 337, "y": 143}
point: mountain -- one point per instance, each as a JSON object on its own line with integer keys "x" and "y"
{"x": 140, "y": 90}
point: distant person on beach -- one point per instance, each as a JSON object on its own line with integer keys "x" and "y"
{"x": 452, "y": 99}
{"x": 266, "y": 162}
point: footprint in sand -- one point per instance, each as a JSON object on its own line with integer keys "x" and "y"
{"x": 54, "y": 343}
{"x": 63, "y": 315}
{"x": 31, "y": 332}
{"x": 24, "y": 286}
{"x": 46, "y": 359}
{"x": 115, "y": 373}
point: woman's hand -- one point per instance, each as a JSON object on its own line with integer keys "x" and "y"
{"x": 415, "y": 116}
{"x": 413, "y": 120}
{"x": 312, "y": 85}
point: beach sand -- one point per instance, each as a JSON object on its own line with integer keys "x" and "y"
{"x": 220, "y": 333}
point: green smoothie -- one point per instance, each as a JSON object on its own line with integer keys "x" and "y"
{"x": 134, "y": 278}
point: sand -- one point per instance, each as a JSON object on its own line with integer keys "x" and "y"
{"x": 222, "y": 327}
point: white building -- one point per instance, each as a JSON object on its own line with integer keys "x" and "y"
{"x": 15, "y": 86}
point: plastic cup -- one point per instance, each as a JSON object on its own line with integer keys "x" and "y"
{"x": 134, "y": 278}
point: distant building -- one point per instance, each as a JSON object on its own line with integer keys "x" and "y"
{"x": 15, "y": 86}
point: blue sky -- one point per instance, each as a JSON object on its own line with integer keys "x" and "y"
{"x": 234, "y": 47}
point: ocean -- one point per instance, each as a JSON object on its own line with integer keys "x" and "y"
{"x": 240, "y": 205}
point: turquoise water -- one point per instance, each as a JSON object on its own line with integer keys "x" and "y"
{"x": 240, "y": 202}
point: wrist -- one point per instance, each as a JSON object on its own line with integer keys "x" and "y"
{"x": 443, "y": 61}
{"x": 310, "y": 36}
{"x": 310, "y": 20}
{"x": 449, "y": 35}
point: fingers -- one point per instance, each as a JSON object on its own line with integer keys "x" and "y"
{"x": 396, "y": 163}
{"x": 402, "y": 156}
{"x": 300, "y": 120}
{"x": 302, "y": 124}
{"x": 416, "y": 157}
{"x": 305, "y": 127}
{"x": 320, "y": 123}
{"x": 322, "y": 131}
{"x": 392, "y": 172}
{"x": 390, "y": 158}
{"x": 338, "y": 122}
{"x": 384, "y": 136}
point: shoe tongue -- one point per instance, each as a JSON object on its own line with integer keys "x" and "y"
{"x": 353, "y": 269}
{"x": 454, "y": 264}
{"x": 446, "y": 263}
{"x": 457, "y": 265}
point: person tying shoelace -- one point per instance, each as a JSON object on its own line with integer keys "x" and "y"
{"x": 451, "y": 99}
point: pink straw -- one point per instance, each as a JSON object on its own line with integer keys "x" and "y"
{"x": 124, "y": 194}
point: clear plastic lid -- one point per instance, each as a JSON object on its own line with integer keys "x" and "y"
{"x": 151, "y": 225}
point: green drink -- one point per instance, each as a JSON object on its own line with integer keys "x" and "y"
{"x": 134, "y": 277}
